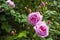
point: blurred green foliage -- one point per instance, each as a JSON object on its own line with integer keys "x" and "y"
{"x": 16, "y": 19}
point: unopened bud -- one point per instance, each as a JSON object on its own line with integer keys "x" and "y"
{"x": 12, "y": 32}
{"x": 48, "y": 22}
{"x": 29, "y": 10}
{"x": 25, "y": 8}
{"x": 37, "y": 9}
{"x": 42, "y": 4}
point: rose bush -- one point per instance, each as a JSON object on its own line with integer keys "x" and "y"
{"x": 14, "y": 23}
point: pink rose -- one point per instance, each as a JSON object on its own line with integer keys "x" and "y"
{"x": 11, "y": 3}
{"x": 42, "y": 4}
{"x": 41, "y": 29}
{"x": 34, "y": 17}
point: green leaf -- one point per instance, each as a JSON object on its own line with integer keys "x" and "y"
{"x": 6, "y": 27}
{"x": 49, "y": 39}
{"x": 35, "y": 35}
{"x": 22, "y": 34}
{"x": 12, "y": 12}
{"x": 55, "y": 3}
{"x": 58, "y": 6}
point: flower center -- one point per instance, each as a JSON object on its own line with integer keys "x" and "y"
{"x": 42, "y": 28}
{"x": 34, "y": 17}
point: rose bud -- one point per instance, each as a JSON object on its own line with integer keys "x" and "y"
{"x": 12, "y": 33}
{"x": 48, "y": 22}
{"x": 29, "y": 10}
{"x": 11, "y": 3}
{"x": 42, "y": 4}
{"x": 1, "y": 10}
